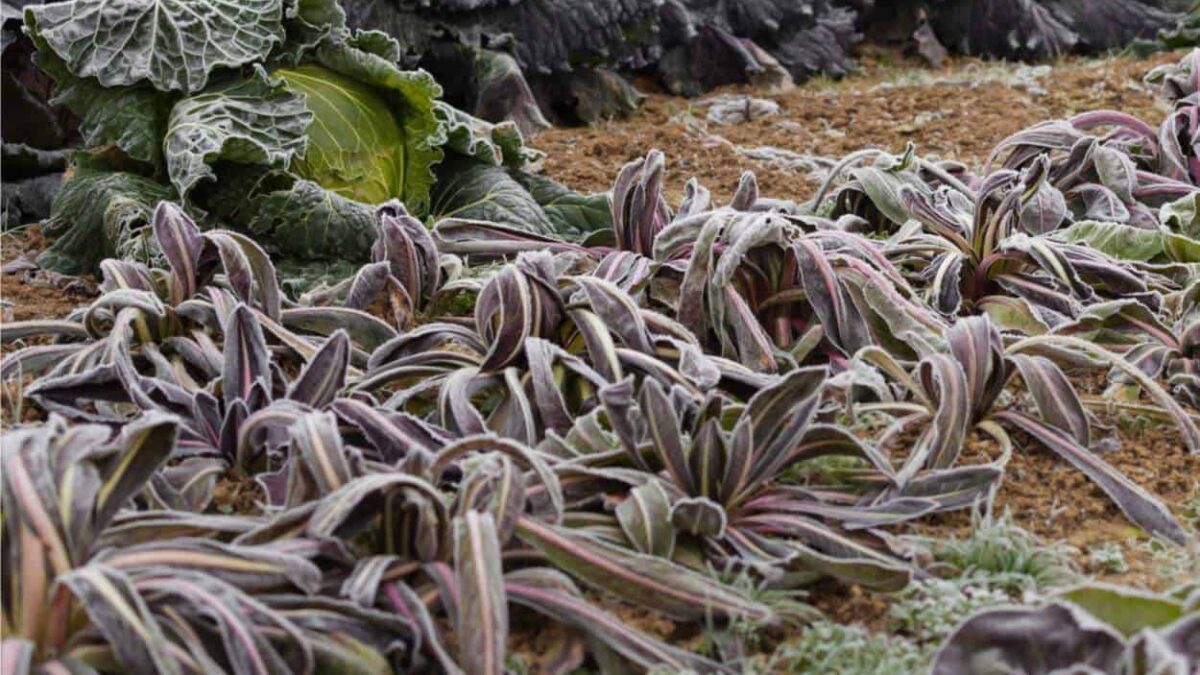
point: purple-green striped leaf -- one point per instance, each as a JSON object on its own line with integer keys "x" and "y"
{"x": 482, "y": 619}
{"x": 1142, "y": 508}
{"x": 552, "y": 593}
{"x": 645, "y": 580}
{"x": 325, "y": 373}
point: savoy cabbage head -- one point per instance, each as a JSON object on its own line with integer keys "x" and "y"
{"x": 270, "y": 116}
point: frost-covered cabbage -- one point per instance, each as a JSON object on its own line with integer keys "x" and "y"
{"x": 269, "y": 116}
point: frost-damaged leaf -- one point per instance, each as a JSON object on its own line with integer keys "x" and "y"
{"x": 805, "y": 544}
{"x": 572, "y": 215}
{"x": 365, "y": 329}
{"x": 254, "y": 262}
{"x": 495, "y": 485}
{"x": 131, "y": 118}
{"x": 494, "y": 144}
{"x": 143, "y": 446}
{"x": 247, "y": 567}
{"x": 252, "y": 121}
{"x": 844, "y": 326}
{"x": 298, "y": 217}
{"x": 173, "y": 44}
{"x": 482, "y": 626}
{"x": 666, "y": 435}
{"x": 409, "y": 250}
{"x": 639, "y": 210}
{"x": 1128, "y": 610}
{"x": 1073, "y": 347}
{"x": 776, "y": 418}
{"x": 977, "y": 347}
{"x": 527, "y": 458}
{"x": 945, "y": 385}
{"x": 1056, "y": 399}
{"x": 1119, "y": 241}
{"x": 347, "y": 510}
{"x": 1141, "y": 507}
{"x": 618, "y": 311}
{"x": 252, "y": 636}
{"x": 20, "y": 330}
{"x": 699, "y": 516}
{"x": 96, "y": 213}
{"x": 1044, "y": 210}
{"x": 318, "y": 444}
{"x": 487, "y": 240}
{"x": 517, "y": 303}
{"x": 654, "y": 582}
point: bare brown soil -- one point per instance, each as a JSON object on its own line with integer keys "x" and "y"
{"x": 953, "y": 119}
{"x": 239, "y": 494}
{"x": 34, "y": 294}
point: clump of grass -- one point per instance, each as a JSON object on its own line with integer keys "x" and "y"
{"x": 517, "y": 665}
{"x": 1000, "y": 554}
{"x": 12, "y": 400}
{"x": 1189, "y": 510}
{"x": 1107, "y": 557}
{"x": 1172, "y": 562}
{"x": 929, "y": 610}
{"x": 836, "y": 649}
{"x": 788, "y": 606}
{"x": 997, "y": 563}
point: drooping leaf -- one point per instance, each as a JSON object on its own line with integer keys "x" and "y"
{"x": 1141, "y": 507}
{"x": 121, "y": 615}
{"x": 1056, "y": 637}
{"x": 673, "y": 590}
{"x": 571, "y": 214}
{"x": 552, "y": 593}
{"x": 1117, "y": 240}
{"x": 100, "y": 214}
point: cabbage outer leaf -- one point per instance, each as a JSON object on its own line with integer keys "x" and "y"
{"x": 251, "y": 121}
{"x": 173, "y": 44}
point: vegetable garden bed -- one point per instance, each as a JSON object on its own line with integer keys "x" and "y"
{"x": 768, "y": 402}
